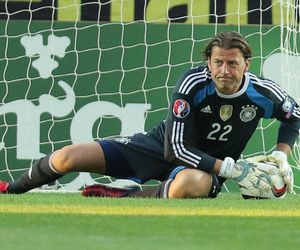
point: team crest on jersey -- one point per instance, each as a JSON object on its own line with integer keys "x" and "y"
{"x": 248, "y": 113}
{"x": 226, "y": 112}
{"x": 181, "y": 108}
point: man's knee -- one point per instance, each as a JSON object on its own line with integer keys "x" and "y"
{"x": 62, "y": 160}
{"x": 193, "y": 183}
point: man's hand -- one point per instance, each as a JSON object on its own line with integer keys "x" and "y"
{"x": 280, "y": 159}
{"x": 249, "y": 176}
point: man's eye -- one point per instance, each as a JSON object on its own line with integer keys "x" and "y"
{"x": 233, "y": 64}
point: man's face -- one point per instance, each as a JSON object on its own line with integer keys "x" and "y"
{"x": 227, "y": 68}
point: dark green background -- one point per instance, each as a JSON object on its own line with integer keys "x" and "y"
{"x": 120, "y": 63}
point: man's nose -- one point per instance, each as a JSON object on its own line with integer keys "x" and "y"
{"x": 225, "y": 68}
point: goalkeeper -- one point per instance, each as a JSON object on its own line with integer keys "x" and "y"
{"x": 213, "y": 113}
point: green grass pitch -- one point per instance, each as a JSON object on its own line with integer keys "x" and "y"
{"x": 69, "y": 221}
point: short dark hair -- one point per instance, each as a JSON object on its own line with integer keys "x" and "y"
{"x": 228, "y": 40}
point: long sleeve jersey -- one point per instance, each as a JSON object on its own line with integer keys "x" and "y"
{"x": 204, "y": 124}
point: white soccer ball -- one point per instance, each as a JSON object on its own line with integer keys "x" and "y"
{"x": 278, "y": 188}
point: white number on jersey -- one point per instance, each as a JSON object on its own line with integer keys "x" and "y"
{"x": 217, "y": 129}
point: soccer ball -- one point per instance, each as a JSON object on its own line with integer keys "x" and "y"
{"x": 278, "y": 188}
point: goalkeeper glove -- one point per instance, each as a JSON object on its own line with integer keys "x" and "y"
{"x": 280, "y": 159}
{"x": 247, "y": 175}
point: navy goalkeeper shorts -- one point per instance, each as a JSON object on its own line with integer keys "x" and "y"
{"x": 139, "y": 158}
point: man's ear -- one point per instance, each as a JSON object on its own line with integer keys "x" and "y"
{"x": 209, "y": 62}
{"x": 248, "y": 63}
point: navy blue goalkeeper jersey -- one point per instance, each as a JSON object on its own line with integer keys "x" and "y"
{"x": 204, "y": 124}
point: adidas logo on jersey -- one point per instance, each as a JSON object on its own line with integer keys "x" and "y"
{"x": 206, "y": 109}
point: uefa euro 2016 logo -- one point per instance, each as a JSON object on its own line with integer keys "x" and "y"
{"x": 181, "y": 108}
